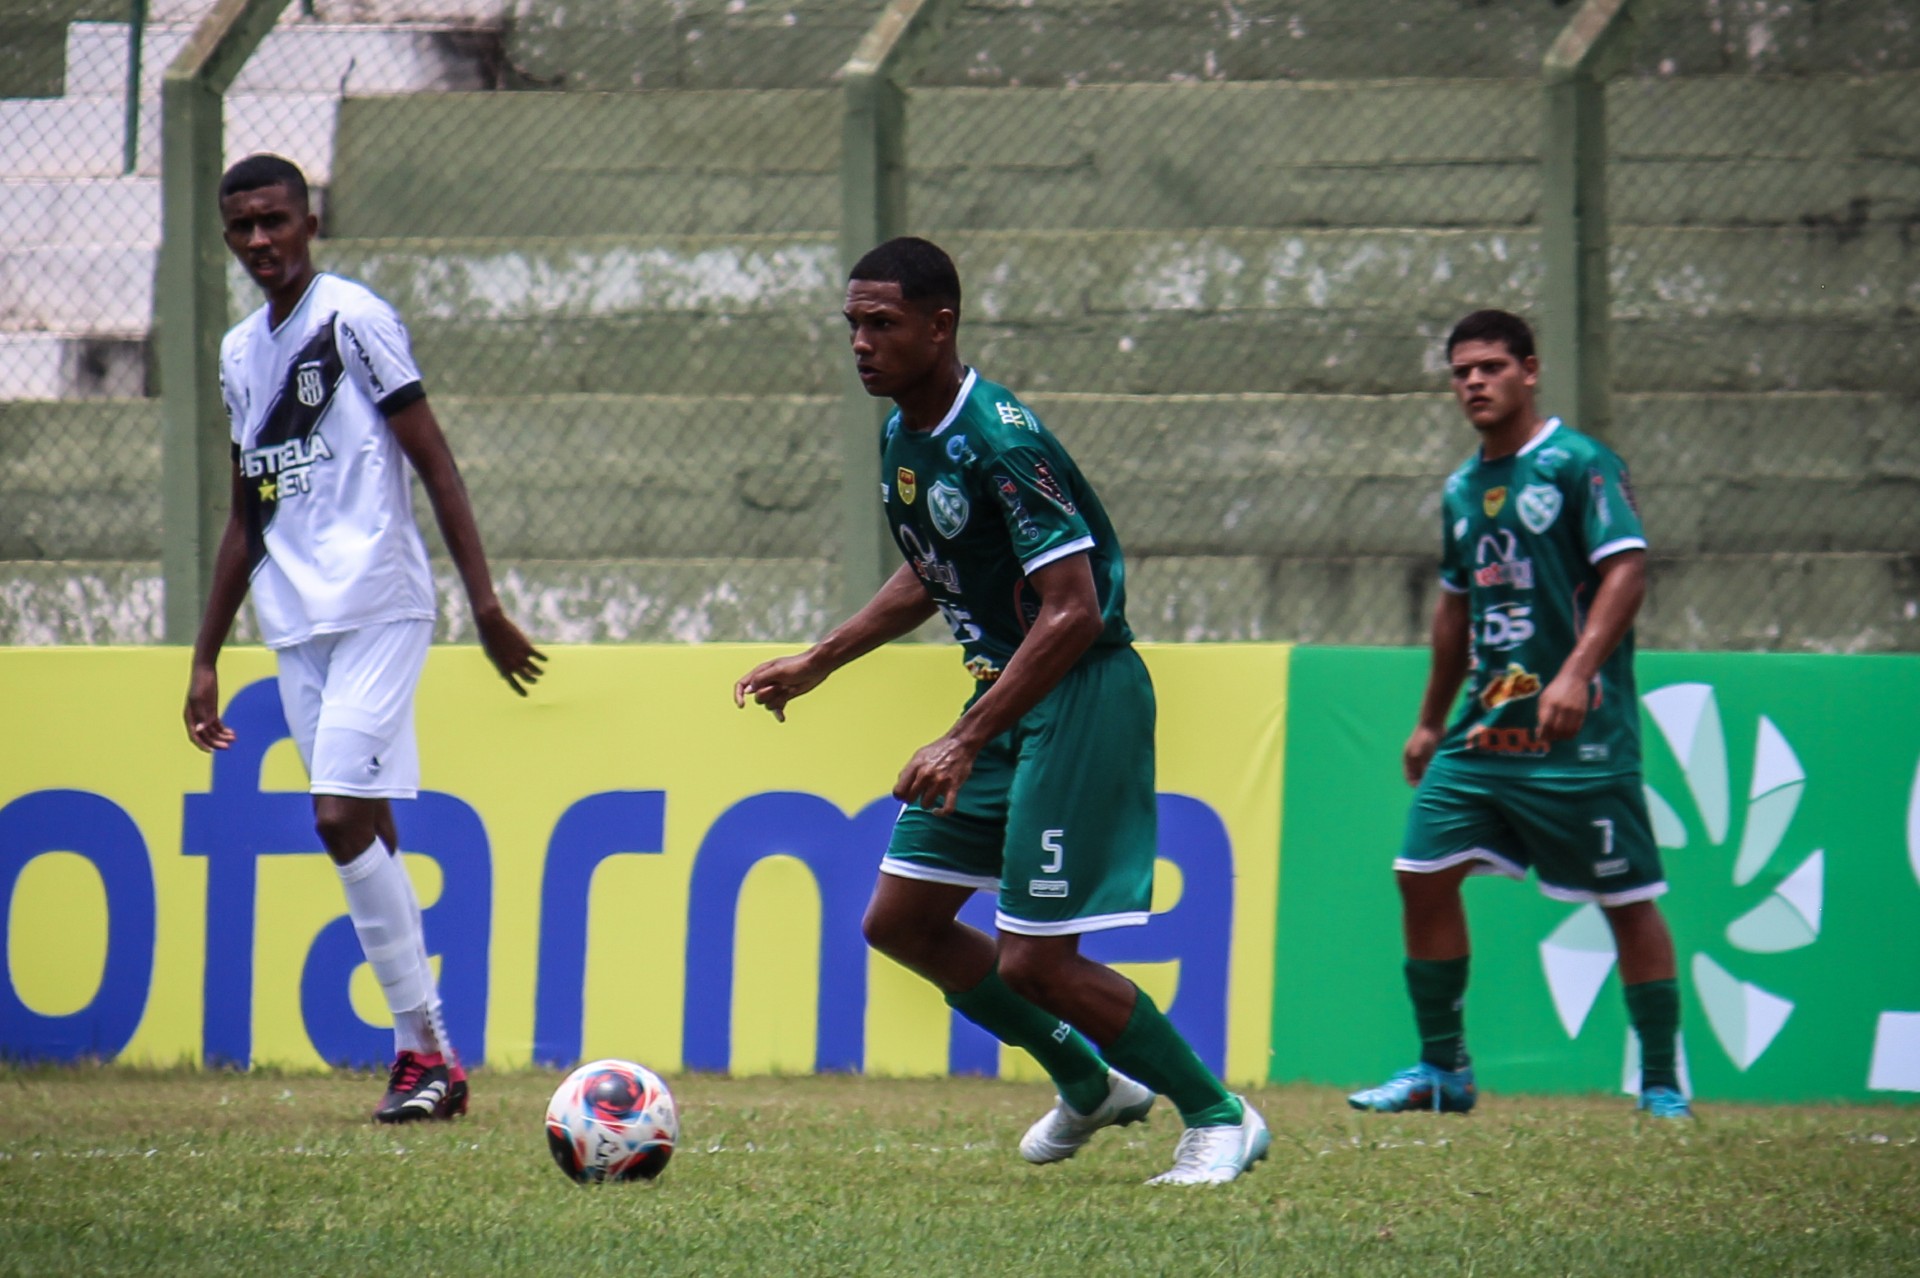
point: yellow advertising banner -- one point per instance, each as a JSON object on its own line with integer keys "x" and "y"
{"x": 620, "y": 864}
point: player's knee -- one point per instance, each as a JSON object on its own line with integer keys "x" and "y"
{"x": 345, "y": 832}
{"x": 1029, "y": 973}
{"x": 891, "y": 934}
{"x": 1420, "y": 892}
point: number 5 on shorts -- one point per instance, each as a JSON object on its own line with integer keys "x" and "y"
{"x": 1050, "y": 842}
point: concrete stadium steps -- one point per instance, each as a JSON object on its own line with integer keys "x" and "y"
{"x": 72, "y": 366}
{"x": 1263, "y": 476}
{"x": 84, "y": 137}
{"x": 1792, "y": 603}
{"x": 33, "y": 42}
{"x": 742, "y": 43}
{"x": 48, "y": 212}
{"x": 1361, "y": 154}
{"x": 1146, "y": 312}
{"x": 307, "y": 58}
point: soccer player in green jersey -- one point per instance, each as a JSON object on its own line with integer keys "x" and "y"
{"x": 1042, "y": 790}
{"x": 1543, "y": 566}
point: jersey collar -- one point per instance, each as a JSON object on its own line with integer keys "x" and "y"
{"x": 273, "y": 329}
{"x": 1553, "y": 424}
{"x": 959, "y": 402}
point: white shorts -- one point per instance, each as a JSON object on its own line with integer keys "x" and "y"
{"x": 349, "y": 702}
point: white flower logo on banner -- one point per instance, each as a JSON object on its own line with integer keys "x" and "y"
{"x": 1745, "y": 1017}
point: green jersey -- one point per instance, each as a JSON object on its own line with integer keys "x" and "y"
{"x": 981, "y": 501}
{"x": 1522, "y": 537}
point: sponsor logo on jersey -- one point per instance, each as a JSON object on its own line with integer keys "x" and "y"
{"x": 1515, "y": 683}
{"x": 1489, "y": 740}
{"x": 926, "y": 561}
{"x": 1044, "y": 480}
{"x": 1549, "y": 457}
{"x": 285, "y": 470}
{"x": 958, "y": 449}
{"x": 884, "y": 491}
{"x": 1460, "y": 528}
{"x": 353, "y": 340}
{"x": 1505, "y": 626}
{"x": 1616, "y": 865}
{"x": 1054, "y": 888}
{"x": 1024, "y": 529}
{"x": 983, "y": 669}
{"x": 1016, "y": 415}
{"x": 948, "y": 507}
{"x": 1596, "y": 753}
{"x": 1538, "y": 505}
{"x": 1499, "y": 562}
{"x": 1493, "y": 500}
{"x": 908, "y": 485}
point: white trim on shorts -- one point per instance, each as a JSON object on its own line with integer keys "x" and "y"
{"x": 1606, "y": 900}
{"x": 1491, "y": 862}
{"x": 1069, "y": 927}
{"x": 933, "y": 874}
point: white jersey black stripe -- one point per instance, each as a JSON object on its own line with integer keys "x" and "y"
{"x": 332, "y": 542}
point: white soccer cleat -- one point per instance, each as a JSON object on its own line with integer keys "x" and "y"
{"x": 1061, "y": 1132}
{"x": 1216, "y": 1155}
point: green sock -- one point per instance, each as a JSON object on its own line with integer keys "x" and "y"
{"x": 1151, "y": 1050}
{"x": 1439, "y": 989}
{"x": 1654, "y": 1009}
{"x": 1076, "y": 1069}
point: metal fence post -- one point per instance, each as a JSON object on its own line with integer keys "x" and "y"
{"x": 1576, "y": 338}
{"x": 873, "y": 208}
{"x": 190, "y": 302}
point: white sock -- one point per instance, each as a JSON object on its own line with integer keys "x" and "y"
{"x": 428, "y": 1028}
{"x": 380, "y": 902}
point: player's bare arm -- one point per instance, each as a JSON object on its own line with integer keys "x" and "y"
{"x": 1067, "y": 626}
{"x": 1444, "y": 677}
{"x": 898, "y": 608}
{"x": 228, "y": 592}
{"x": 1623, "y": 585}
{"x": 420, "y": 437}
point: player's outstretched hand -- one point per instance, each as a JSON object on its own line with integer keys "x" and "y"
{"x": 511, "y": 653}
{"x": 934, "y": 775}
{"x": 774, "y": 683}
{"x": 204, "y": 728}
{"x": 1419, "y": 752}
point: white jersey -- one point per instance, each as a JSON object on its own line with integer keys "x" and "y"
{"x": 331, "y": 541}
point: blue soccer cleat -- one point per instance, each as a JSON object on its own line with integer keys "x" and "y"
{"x": 1422, "y": 1086}
{"x": 1664, "y": 1102}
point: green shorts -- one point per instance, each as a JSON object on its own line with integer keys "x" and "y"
{"x": 1059, "y": 814}
{"x": 1588, "y": 838}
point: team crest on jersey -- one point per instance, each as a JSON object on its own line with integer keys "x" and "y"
{"x": 1494, "y": 501}
{"x": 904, "y": 480}
{"x": 948, "y": 508}
{"x": 308, "y": 387}
{"x": 1538, "y": 505}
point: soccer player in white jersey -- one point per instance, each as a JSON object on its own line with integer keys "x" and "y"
{"x": 327, "y": 409}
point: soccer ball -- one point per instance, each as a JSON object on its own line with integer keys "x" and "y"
{"x": 612, "y": 1120}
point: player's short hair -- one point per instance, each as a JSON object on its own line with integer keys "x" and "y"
{"x": 920, "y": 267}
{"x": 1494, "y": 326}
{"x": 263, "y": 170}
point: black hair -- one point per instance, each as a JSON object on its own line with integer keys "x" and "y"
{"x": 263, "y": 170}
{"x": 920, "y": 267}
{"x": 1494, "y": 326}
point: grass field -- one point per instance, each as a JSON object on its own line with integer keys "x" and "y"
{"x": 120, "y": 1171}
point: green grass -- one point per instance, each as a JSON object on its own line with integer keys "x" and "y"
{"x": 120, "y": 1171}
